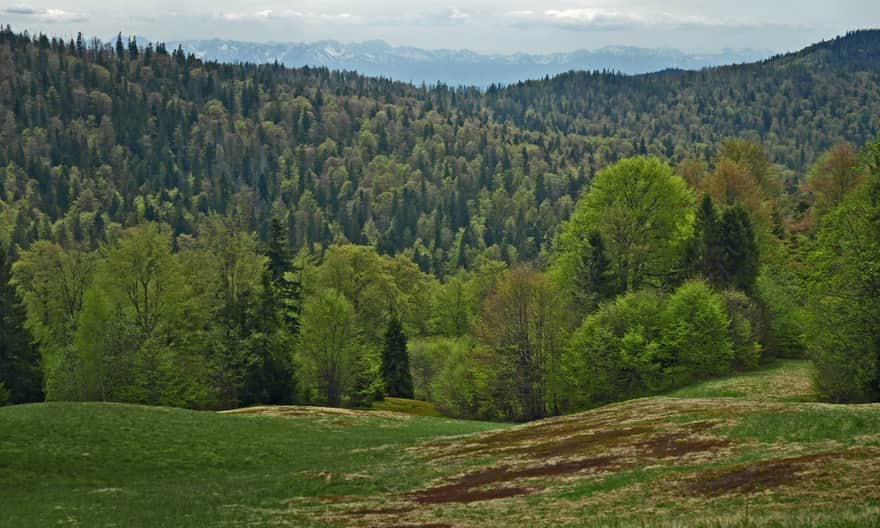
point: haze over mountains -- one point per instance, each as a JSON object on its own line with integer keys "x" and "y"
{"x": 457, "y": 67}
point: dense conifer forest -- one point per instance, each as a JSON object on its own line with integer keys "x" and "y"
{"x": 208, "y": 235}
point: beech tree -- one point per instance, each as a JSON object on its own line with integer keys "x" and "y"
{"x": 644, "y": 214}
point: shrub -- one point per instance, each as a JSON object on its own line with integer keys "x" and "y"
{"x": 695, "y": 339}
{"x": 744, "y": 318}
{"x": 615, "y": 352}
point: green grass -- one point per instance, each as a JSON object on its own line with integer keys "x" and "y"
{"x": 839, "y": 423}
{"x": 123, "y": 465}
{"x": 646, "y": 462}
{"x": 784, "y": 380}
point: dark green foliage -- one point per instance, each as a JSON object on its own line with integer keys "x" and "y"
{"x": 738, "y": 262}
{"x": 723, "y": 250}
{"x": 339, "y": 157}
{"x": 395, "y": 362}
{"x": 705, "y": 247}
{"x": 593, "y": 281}
{"x": 21, "y": 377}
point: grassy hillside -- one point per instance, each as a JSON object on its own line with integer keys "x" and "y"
{"x": 713, "y": 458}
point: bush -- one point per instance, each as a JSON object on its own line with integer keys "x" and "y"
{"x": 744, "y": 317}
{"x": 642, "y": 343}
{"x": 4, "y": 395}
{"x": 615, "y": 352}
{"x": 695, "y": 340}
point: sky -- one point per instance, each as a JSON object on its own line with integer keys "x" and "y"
{"x": 488, "y": 26}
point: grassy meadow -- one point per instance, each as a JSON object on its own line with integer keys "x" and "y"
{"x": 742, "y": 451}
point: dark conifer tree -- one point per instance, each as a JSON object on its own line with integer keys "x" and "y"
{"x": 20, "y": 372}
{"x": 287, "y": 289}
{"x": 704, "y": 252}
{"x": 595, "y": 283}
{"x": 739, "y": 250}
{"x": 395, "y": 362}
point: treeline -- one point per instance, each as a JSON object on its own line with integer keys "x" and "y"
{"x": 94, "y": 136}
{"x": 654, "y": 283}
{"x": 212, "y": 236}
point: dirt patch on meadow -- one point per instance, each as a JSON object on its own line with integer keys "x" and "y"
{"x": 472, "y": 487}
{"x": 678, "y": 444}
{"x": 766, "y": 474}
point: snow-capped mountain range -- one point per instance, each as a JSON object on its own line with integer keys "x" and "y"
{"x": 457, "y": 67}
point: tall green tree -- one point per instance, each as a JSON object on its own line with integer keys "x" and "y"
{"x": 593, "y": 280}
{"x": 328, "y": 345}
{"x": 844, "y": 293}
{"x": 644, "y": 214}
{"x": 739, "y": 258}
{"x": 21, "y": 377}
{"x": 395, "y": 362}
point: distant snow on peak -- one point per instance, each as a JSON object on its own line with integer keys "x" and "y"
{"x": 458, "y": 67}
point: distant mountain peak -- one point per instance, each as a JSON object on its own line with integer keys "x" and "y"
{"x": 458, "y": 67}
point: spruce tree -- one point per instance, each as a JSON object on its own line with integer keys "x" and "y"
{"x": 395, "y": 362}
{"x": 594, "y": 281}
{"x": 20, "y": 371}
{"x": 739, "y": 250}
{"x": 287, "y": 290}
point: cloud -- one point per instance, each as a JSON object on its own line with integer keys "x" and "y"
{"x": 598, "y": 18}
{"x": 285, "y": 14}
{"x": 45, "y": 14}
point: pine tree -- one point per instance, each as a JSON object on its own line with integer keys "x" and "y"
{"x": 395, "y": 362}
{"x": 20, "y": 371}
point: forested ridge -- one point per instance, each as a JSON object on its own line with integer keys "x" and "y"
{"x": 213, "y": 235}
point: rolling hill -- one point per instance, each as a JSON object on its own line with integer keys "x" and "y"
{"x": 758, "y": 460}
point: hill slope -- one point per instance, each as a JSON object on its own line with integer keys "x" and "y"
{"x": 94, "y": 138}
{"x": 649, "y": 462}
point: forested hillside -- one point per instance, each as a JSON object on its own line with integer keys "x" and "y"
{"x": 206, "y": 235}
{"x": 97, "y": 136}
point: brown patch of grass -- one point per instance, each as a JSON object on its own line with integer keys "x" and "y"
{"x": 383, "y": 511}
{"x": 678, "y": 443}
{"x": 761, "y": 475}
{"x": 418, "y": 525}
{"x": 470, "y": 487}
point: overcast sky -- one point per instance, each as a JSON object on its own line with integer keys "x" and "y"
{"x": 504, "y": 26}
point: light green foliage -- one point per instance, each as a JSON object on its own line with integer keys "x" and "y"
{"x": 53, "y": 284}
{"x": 377, "y": 285}
{"x": 428, "y": 357}
{"x": 136, "y": 330}
{"x": 695, "y": 334}
{"x": 742, "y": 329}
{"x": 463, "y": 384}
{"x": 328, "y": 345}
{"x": 644, "y": 214}
{"x": 615, "y": 353}
{"x": 845, "y": 296}
{"x": 643, "y": 343}
{"x": 454, "y": 304}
